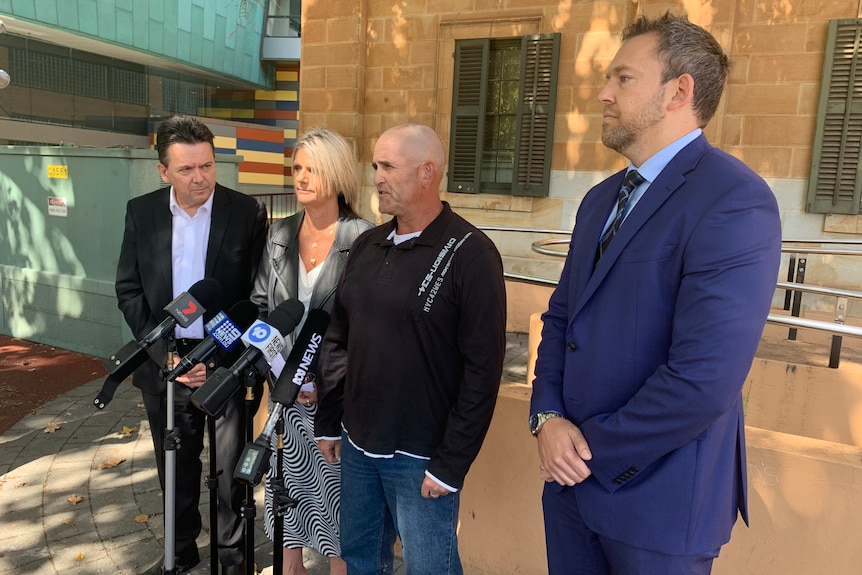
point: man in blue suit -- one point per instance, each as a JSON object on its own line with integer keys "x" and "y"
{"x": 651, "y": 331}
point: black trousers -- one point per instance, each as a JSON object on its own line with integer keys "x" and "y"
{"x": 230, "y": 438}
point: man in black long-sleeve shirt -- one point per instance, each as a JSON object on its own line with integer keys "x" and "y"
{"x": 411, "y": 364}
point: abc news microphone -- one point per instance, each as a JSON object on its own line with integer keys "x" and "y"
{"x": 182, "y": 311}
{"x": 265, "y": 341}
{"x": 223, "y": 331}
{"x": 300, "y": 364}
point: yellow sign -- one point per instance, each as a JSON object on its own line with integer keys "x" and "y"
{"x": 57, "y": 171}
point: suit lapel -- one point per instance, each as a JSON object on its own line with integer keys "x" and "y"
{"x": 669, "y": 180}
{"x": 163, "y": 241}
{"x": 218, "y": 227}
{"x": 589, "y": 230}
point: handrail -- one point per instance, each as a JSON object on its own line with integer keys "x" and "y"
{"x": 825, "y": 251}
{"x": 794, "y": 289}
{"x": 525, "y": 230}
{"x": 835, "y": 328}
{"x": 851, "y": 242}
{"x": 810, "y": 288}
{"x": 538, "y": 246}
{"x": 530, "y": 279}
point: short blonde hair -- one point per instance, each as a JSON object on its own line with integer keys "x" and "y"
{"x": 336, "y": 166}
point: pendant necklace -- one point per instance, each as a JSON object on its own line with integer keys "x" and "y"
{"x": 313, "y": 259}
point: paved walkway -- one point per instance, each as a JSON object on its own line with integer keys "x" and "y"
{"x": 79, "y": 491}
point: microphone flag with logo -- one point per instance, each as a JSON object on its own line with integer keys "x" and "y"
{"x": 182, "y": 311}
{"x": 265, "y": 341}
{"x": 299, "y": 368}
{"x": 224, "y": 331}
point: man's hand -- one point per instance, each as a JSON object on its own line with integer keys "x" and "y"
{"x": 563, "y": 452}
{"x": 195, "y": 377}
{"x": 331, "y": 449}
{"x": 431, "y": 489}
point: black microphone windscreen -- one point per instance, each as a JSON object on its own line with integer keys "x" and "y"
{"x": 286, "y": 316}
{"x": 243, "y": 313}
{"x": 303, "y": 358}
{"x": 208, "y": 293}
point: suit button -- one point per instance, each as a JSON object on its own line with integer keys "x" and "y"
{"x": 211, "y": 365}
{"x": 571, "y": 346}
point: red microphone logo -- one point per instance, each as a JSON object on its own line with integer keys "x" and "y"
{"x": 191, "y": 309}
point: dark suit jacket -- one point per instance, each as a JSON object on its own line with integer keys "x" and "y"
{"x": 647, "y": 353}
{"x": 144, "y": 271}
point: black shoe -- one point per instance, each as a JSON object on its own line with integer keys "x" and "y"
{"x": 186, "y": 560}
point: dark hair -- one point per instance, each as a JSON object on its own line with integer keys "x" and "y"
{"x": 686, "y": 48}
{"x": 181, "y": 130}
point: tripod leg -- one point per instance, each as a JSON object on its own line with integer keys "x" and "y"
{"x": 212, "y": 485}
{"x": 248, "y": 510}
{"x": 171, "y": 444}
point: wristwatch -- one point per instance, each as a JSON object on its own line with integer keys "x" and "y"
{"x": 539, "y": 419}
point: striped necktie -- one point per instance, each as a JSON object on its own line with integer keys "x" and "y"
{"x": 632, "y": 180}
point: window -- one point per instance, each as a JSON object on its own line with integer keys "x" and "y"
{"x": 836, "y": 181}
{"x": 503, "y": 115}
{"x": 56, "y": 69}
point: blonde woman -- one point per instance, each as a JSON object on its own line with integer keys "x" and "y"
{"x": 303, "y": 259}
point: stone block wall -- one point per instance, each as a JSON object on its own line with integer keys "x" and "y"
{"x": 370, "y": 65}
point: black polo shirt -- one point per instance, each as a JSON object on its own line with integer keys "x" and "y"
{"x": 413, "y": 355}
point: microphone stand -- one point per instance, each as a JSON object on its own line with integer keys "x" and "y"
{"x": 248, "y": 508}
{"x": 172, "y": 440}
{"x": 211, "y": 481}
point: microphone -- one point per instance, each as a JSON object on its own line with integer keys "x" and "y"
{"x": 264, "y": 341}
{"x": 224, "y": 329}
{"x": 299, "y": 368}
{"x": 182, "y": 311}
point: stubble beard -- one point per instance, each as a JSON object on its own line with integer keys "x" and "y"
{"x": 627, "y": 133}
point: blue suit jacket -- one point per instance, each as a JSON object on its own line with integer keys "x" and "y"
{"x": 647, "y": 354}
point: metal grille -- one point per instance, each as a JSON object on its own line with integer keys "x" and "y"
{"x": 77, "y": 75}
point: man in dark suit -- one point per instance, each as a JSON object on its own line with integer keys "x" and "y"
{"x": 174, "y": 237}
{"x": 650, "y": 334}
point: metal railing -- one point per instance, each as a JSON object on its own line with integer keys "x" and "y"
{"x": 794, "y": 285}
{"x": 278, "y": 205}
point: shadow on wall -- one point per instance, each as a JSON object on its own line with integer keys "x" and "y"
{"x": 31, "y": 241}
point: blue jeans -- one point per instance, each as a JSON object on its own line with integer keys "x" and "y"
{"x": 381, "y": 497}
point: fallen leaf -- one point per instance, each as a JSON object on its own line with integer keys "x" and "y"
{"x": 79, "y": 557}
{"x": 111, "y": 463}
{"x": 51, "y": 428}
{"x": 128, "y": 431}
{"x": 74, "y": 499}
{"x": 142, "y": 518}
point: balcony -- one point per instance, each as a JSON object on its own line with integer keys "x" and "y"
{"x": 281, "y": 32}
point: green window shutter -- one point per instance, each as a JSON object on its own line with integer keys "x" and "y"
{"x": 468, "y": 115}
{"x": 836, "y": 179}
{"x": 540, "y": 57}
